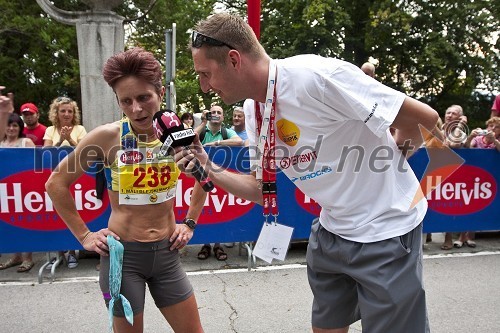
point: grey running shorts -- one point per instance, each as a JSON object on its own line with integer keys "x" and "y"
{"x": 152, "y": 263}
{"x": 379, "y": 283}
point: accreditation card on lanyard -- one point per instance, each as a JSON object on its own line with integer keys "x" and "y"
{"x": 274, "y": 238}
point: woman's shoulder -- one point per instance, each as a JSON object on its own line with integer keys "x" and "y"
{"x": 106, "y": 131}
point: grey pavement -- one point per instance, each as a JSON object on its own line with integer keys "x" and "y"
{"x": 462, "y": 287}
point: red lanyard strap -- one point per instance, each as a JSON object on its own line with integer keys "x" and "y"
{"x": 269, "y": 186}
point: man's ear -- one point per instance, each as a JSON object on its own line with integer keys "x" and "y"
{"x": 235, "y": 59}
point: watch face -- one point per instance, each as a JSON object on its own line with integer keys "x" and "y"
{"x": 190, "y": 223}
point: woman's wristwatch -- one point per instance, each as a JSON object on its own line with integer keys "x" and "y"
{"x": 190, "y": 223}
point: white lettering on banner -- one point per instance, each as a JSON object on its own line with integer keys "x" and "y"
{"x": 33, "y": 198}
{"x": 183, "y": 196}
{"x": 307, "y": 199}
{"x": 457, "y": 191}
{"x": 35, "y": 202}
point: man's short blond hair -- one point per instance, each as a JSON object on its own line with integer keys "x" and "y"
{"x": 231, "y": 30}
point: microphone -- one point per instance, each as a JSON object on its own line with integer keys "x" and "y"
{"x": 170, "y": 130}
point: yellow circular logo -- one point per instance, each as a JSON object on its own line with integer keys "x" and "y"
{"x": 288, "y": 132}
{"x": 153, "y": 197}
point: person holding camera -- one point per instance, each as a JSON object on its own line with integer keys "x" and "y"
{"x": 486, "y": 138}
{"x": 454, "y": 131}
{"x": 483, "y": 139}
{"x": 212, "y": 133}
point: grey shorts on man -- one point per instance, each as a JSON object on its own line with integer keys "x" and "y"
{"x": 379, "y": 283}
{"x": 152, "y": 263}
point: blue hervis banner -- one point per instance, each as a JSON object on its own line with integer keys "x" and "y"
{"x": 462, "y": 197}
{"x": 28, "y": 220}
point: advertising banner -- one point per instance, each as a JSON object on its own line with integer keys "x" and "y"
{"x": 463, "y": 198}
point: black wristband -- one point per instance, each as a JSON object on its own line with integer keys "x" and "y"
{"x": 190, "y": 223}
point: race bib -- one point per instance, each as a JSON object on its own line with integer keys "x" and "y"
{"x": 145, "y": 177}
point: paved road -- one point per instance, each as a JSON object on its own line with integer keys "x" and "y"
{"x": 462, "y": 287}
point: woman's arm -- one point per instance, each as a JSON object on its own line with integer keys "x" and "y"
{"x": 182, "y": 233}
{"x": 6, "y": 108}
{"x": 66, "y": 173}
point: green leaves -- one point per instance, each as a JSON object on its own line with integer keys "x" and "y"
{"x": 437, "y": 51}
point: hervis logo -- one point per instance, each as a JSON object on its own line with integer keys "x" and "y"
{"x": 288, "y": 132}
{"x": 219, "y": 206}
{"x": 306, "y": 203}
{"x": 468, "y": 190}
{"x": 24, "y": 203}
{"x": 131, "y": 157}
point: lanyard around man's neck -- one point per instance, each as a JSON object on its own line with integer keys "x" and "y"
{"x": 266, "y": 168}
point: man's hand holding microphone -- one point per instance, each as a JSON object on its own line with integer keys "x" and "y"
{"x": 181, "y": 143}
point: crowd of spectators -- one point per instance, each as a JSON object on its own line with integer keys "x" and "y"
{"x": 452, "y": 133}
{"x": 23, "y": 130}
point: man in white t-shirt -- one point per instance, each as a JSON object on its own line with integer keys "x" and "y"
{"x": 364, "y": 255}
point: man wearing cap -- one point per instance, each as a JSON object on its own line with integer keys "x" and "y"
{"x": 33, "y": 130}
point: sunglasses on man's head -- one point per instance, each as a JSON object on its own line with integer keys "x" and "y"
{"x": 198, "y": 39}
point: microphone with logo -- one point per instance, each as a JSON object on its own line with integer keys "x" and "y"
{"x": 170, "y": 130}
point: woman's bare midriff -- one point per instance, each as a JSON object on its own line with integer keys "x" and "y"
{"x": 141, "y": 223}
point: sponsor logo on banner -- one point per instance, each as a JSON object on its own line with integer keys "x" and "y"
{"x": 131, "y": 157}
{"x": 219, "y": 206}
{"x": 306, "y": 203}
{"x": 468, "y": 190}
{"x": 24, "y": 203}
{"x": 288, "y": 132}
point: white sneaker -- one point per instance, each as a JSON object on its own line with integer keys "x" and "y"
{"x": 51, "y": 263}
{"x": 72, "y": 261}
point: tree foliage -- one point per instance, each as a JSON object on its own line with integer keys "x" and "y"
{"x": 149, "y": 33}
{"x": 437, "y": 51}
{"x": 38, "y": 56}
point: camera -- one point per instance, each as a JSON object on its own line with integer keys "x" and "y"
{"x": 482, "y": 132}
{"x": 210, "y": 117}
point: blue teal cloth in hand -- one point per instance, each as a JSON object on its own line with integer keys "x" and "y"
{"x": 115, "y": 281}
